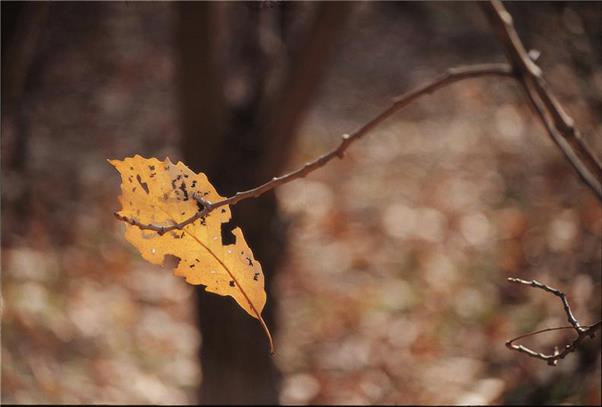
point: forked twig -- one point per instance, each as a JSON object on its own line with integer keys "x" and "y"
{"x": 582, "y": 331}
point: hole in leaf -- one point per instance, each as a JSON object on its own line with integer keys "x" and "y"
{"x": 227, "y": 235}
{"x": 170, "y": 261}
{"x": 144, "y": 185}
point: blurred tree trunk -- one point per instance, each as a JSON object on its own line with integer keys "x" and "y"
{"x": 241, "y": 102}
{"x": 22, "y": 25}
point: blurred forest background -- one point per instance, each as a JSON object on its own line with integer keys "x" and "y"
{"x": 391, "y": 263}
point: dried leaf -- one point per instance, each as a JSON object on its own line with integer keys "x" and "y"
{"x": 161, "y": 193}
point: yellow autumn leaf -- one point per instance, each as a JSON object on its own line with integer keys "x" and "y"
{"x": 162, "y": 194}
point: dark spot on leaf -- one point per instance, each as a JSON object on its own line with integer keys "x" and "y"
{"x": 250, "y": 261}
{"x": 144, "y": 185}
{"x": 153, "y": 174}
{"x": 183, "y": 189}
{"x": 182, "y": 213}
{"x": 232, "y": 283}
{"x": 185, "y": 175}
{"x": 151, "y": 167}
{"x": 173, "y": 184}
{"x": 256, "y": 276}
{"x": 223, "y": 210}
{"x": 203, "y": 221}
{"x": 134, "y": 189}
{"x": 171, "y": 261}
{"x": 132, "y": 168}
{"x": 192, "y": 266}
{"x": 193, "y": 184}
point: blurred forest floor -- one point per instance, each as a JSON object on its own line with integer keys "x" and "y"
{"x": 395, "y": 288}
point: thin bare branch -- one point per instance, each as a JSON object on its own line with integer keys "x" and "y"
{"x": 558, "y": 123}
{"x": 452, "y": 75}
{"x": 162, "y": 229}
{"x": 582, "y": 331}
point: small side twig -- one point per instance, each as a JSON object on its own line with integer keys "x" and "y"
{"x": 582, "y": 331}
{"x": 534, "y": 283}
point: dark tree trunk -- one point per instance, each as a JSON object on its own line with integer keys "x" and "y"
{"x": 240, "y": 134}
